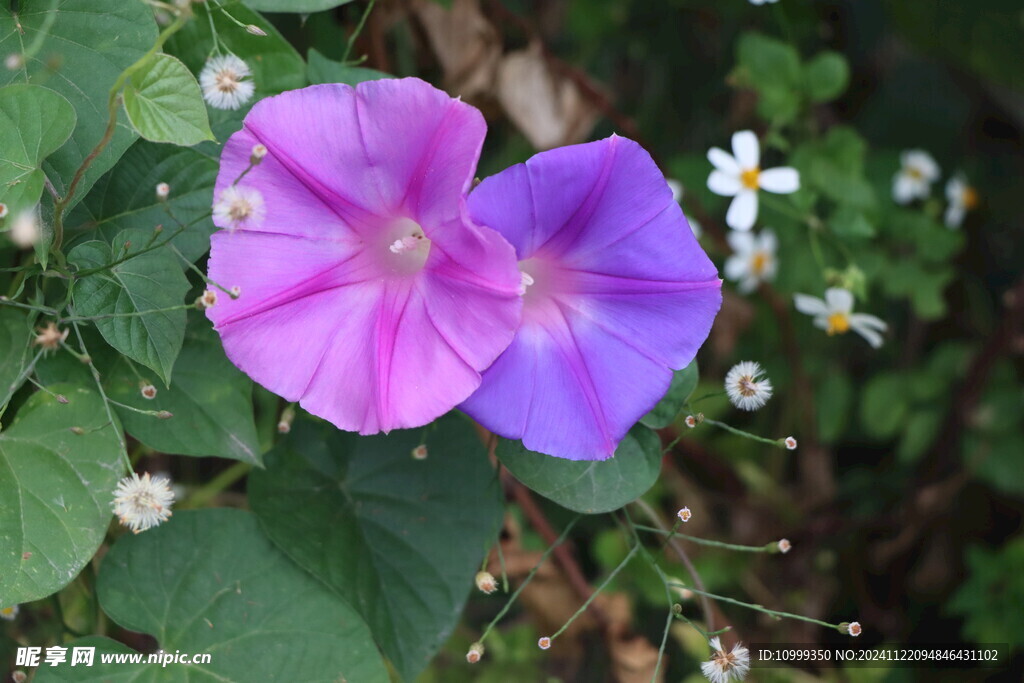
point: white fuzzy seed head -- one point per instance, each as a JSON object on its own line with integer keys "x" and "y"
{"x": 238, "y": 207}
{"x": 747, "y": 387}
{"x": 144, "y": 502}
{"x": 226, "y": 83}
{"x": 724, "y": 666}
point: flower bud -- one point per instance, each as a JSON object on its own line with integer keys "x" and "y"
{"x": 148, "y": 391}
{"x": 3, "y": 210}
{"x": 784, "y": 546}
{"x": 284, "y": 425}
{"x": 257, "y": 154}
{"x": 544, "y": 643}
{"x": 684, "y": 514}
{"x": 77, "y": 431}
{"x": 165, "y": 415}
{"x": 162, "y": 191}
{"x": 255, "y": 30}
{"x": 790, "y": 443}
{"x": 420, "y": 452}
{"x": 486, "y": 583}
{"x": 476, "y": 651}
{"x": 61, "y": 398}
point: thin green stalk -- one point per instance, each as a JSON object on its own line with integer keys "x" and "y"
{"x": 757, "y": 608}
{"x": 208, "y": 491}
{"x": 597, "y": 591}
{"x": 739, "y": 432}
{"x": 706, "y": 541}
{"x": 131, "y": 314}
{"x": 87, "y": 358}
{"x": 529, "y": 577}
{"x": 359, "y": 29}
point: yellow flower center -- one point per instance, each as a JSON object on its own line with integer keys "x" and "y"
{"x": 914, "y": 172}
{"x": 838, "y": 323}
{"x": 970, "y": 198}
{"x": 749, "y": 178}
{"x": 758, "y": 263}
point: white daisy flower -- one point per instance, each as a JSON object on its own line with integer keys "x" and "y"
{"x": 9, "y": 613}
{"x": 225, "y": 82}
{"x": 753, "y": 260}
{"x": 143, "y": 502}
{"x": 726, "y": 666}
{"x": 918, "y": 171}
{"x": 739, "y": 175}
{"x": 746, "y": 386}
{"x": 835, "y": 315}
{"x": 962, "y": 198}
{"x": 239, "y": 207}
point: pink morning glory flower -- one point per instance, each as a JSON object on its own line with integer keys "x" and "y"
{"x": 367, "y": 293}
{"x": 618, "y": 293}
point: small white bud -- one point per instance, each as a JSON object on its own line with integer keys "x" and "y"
{"x": 684, "y": 514}
{"x": 790, "y": 443}
{"x": 486, "y": 582}
{"x": 236, "y": 292}
{"x": 853, "y": 628}
{"x": 257, "y": 154}
{"x": 544, "y": 643}
{"x": 14, "y": 61}
{"x": 691, "y": 421}
{"x": 476, "y": 652}
{"x": 25, "y": 229}
{"x": 420, "y": 452}
{"x": 255, "y": 30}
{"x": 162, "y": 191}
{"x": 784, "y": 546}
{"x": 3, "y": 210}
{"x": 148, "y": 391}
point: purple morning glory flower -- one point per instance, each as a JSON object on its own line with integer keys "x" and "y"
{"x": 366, "y": 292}
{"x": 617, "y": 294}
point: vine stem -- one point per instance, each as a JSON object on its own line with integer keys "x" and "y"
{"x": 113, "y": 103}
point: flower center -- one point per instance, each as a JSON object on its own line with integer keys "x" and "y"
{"x": 758, "y": 263}
{"x": 750, "y": 177}
{"x": 227, "y": 81}
{"x": 406, "y": 247}
{"x": 970, "y": 198}
{"x": 726, "y": 661}
{"x": 838, "y": 323}
{"x": 747, "y": 386}
{"x": 240, "y": 209}
{"x": 915, "y": 173}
